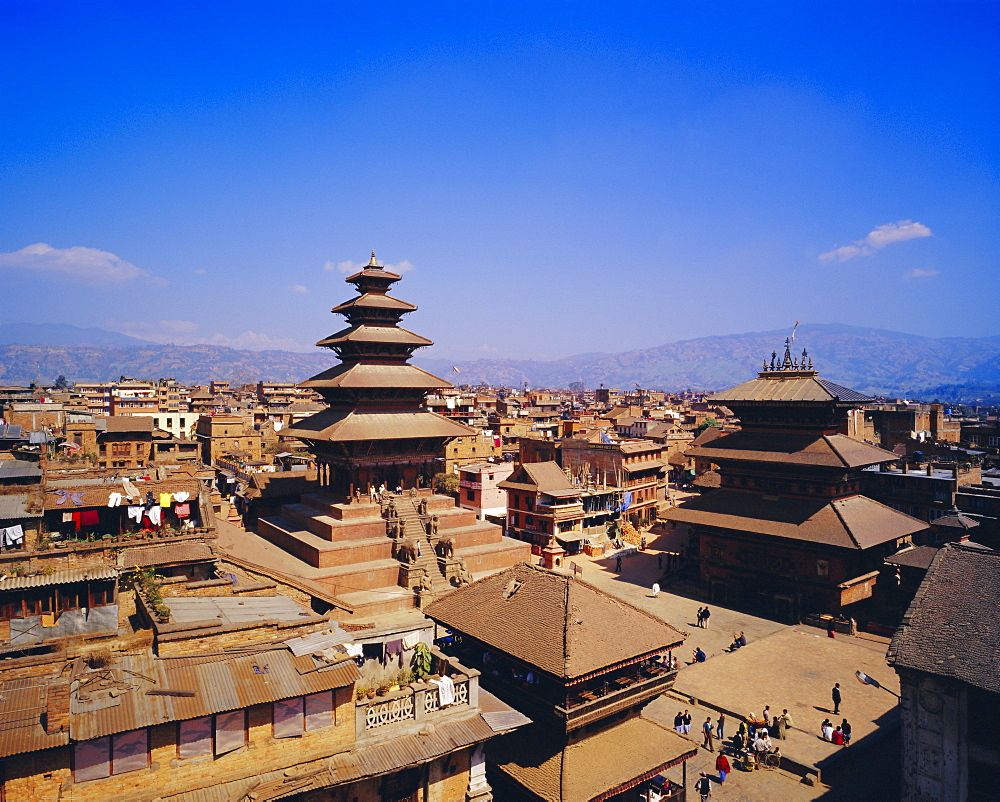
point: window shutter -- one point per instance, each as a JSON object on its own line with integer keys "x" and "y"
{"x": 288, "y": 718}
{"x": 230, "y": 731}
{"x": 130, "y": 751}
{"x": 319, "y": 710}
{"x": 195, "y": 737}
{"x": 92, "y": 759}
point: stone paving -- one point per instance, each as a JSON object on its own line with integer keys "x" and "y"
{"x": 784, "y": 666}
{"x": 740, "y": 785}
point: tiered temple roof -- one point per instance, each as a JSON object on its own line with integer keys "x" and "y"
{"x": 376, "y": 428}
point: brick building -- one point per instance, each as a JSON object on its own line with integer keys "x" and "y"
{"x": 945, "y": 653}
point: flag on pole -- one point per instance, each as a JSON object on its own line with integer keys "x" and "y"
{"x": 455, "y": 369}
{"x": 792, "y": 338}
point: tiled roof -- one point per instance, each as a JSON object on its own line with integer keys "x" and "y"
{"x": 615, "y": 758}
{"x": 788, "y": 388}
{"x": 95, "y": 494}
{"x": 375, "y": 334}
{"x": 337, "y": 425}
{"x": 365, "y": 375}
{"x": 857, "y": 522}
{"x": 185, "y": 551}
{"x": 129, "y": 423}
{"x": 833, "y": 451}
{"x": 951, "y": 629}
{"x": 914, "y": 556}
{"x": 558, "y": 624}
{"x": 546, "y": 477}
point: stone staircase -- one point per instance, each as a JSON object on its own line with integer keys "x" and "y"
{"x": 347, "y": 547}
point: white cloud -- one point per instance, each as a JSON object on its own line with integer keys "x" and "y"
{"x": 185, "y": 332}
{"x": 920, "y": 273}
{"x": 255, "y": 341}
{"x": 86, "y": 265}
{"x": 883, "y": 235}
{"x": 349, "y": 267}
{"x": 299, "y": 288}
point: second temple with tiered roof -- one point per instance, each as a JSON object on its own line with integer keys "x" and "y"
{"x": 788, "y": 531}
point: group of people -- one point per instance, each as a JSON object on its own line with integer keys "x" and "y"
{"x": 703, "y": 615}
{"x": 839, "y": 735}
{"x": 739, "y": 641}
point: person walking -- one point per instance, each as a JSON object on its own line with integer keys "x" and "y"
{"x": 656, "y": 589}
{"x": 835, "y": 695}
{"x": 704, "y": 787}
{"x": 700, "y": 614}
{"x": 705, "y": 616}
{"x": 766, "y": 715}
{"x": 707, "y": 728}
{"x": 720, "y": 727}
{"x": 722, "y": 767}
{"x": 679, "y": 722}
{"x": 618, "y": 564}
{"x": 687, "y": 722}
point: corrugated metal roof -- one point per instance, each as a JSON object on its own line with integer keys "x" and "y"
{"x": 411, "y": 750}
{"x": 218, "y": 685}
{"x": 66, "y": 577}
{"x": 235, "y": 610}
{"x": 22, "y": 703}
{"x": 16, "y": 507}
{"x": 19, "y": 469}
{"x": 317, "y": 641}
{"x": 10, "y": 432}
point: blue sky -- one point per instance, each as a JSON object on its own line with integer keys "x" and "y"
{"x": 554, "y": 178}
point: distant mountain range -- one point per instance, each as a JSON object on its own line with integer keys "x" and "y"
{"x": 868, "y": 360}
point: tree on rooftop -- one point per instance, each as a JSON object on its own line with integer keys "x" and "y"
{"x": 706, "y": 424}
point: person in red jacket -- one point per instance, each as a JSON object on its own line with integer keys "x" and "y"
{"x": 838, "y": 737}
{"x": 722, "y": 766}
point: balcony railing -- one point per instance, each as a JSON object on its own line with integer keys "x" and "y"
{"x": 418, "y": 702}
{"x": 616, "y": 693}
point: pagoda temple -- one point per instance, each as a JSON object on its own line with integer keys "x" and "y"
{"x": 788, "y": 532}
{"x": 376, "y": 431}
{"x": 373, "y": 535}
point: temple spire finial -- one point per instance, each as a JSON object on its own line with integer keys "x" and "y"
{"x": 373, "y": 262}
{"x": 786, "y": 363}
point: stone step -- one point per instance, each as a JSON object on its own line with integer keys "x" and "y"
{"x": 378, "y": 601}
{"x": 326, "y": 505}
{"x": 495, "y": 556}
{"x": 330, "y": 528}
{"x": 317, "y": 551}
{"x": 361, "y": 576}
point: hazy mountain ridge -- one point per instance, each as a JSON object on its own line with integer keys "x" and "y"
{"x": 865, "y": 359}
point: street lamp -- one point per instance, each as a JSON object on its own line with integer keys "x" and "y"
{"x": 864, "y": 679}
